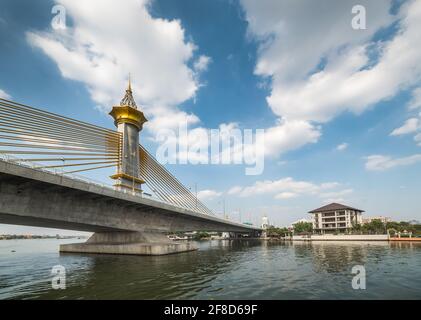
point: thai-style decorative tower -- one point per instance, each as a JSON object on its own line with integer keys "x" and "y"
{"x": 129, "y": 121}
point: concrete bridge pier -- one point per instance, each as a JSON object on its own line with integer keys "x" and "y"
{"x": 132, "y": 243}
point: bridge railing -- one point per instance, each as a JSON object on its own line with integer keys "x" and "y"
{"x": 60, "y": 172}
{"x": 64, "y": 146}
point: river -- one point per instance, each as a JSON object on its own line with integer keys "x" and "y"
{"x": 223, "y": 269}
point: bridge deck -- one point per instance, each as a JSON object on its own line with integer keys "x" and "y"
{"x": 39, "y": 198}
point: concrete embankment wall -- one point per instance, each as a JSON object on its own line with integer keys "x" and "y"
{"x": 345, "y": 237}
{"x": 405, "y": 239}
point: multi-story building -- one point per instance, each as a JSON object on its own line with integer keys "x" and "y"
{"x": 335, "y": 217}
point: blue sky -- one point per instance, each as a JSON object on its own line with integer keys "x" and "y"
{"x": 296, "y": 69}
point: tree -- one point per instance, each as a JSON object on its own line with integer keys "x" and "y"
{"x": 273, "y": 232}
{"x": 303, "y": 227}
{"x": 404, "y": 226}
{"x": 376, "y": 226}
{"x": 356, "y": 227}
{"x": 393, "y": 225}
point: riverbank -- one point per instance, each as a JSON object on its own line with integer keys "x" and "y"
{"x": 405, "y": 239}
{"x": 351, "y": 237}
{"x": 341, "y": 237}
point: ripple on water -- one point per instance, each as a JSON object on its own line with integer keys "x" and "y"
{"x": 219, "y": 270}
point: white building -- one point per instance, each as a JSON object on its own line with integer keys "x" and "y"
{"x": 335, "y": 217}
{"x": 381, "y": 218}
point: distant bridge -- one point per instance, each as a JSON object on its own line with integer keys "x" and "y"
{"x": 41, "y": 155}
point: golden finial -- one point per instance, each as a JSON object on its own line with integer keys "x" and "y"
{"x": 130, "y": 83}
{"x": 128, "y": 99}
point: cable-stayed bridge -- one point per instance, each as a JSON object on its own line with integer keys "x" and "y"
{"x": 43, "y": 156}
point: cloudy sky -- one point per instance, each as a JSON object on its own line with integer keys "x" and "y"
{"x": 341, "y": 108}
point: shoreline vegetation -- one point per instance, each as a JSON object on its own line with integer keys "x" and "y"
{"x": 394, "y": 231}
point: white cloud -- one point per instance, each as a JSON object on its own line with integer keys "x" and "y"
{"x": 321, "y": 67}
{"x": 208, "y": 194}
{"x": 289, "y": 188}
{"x": 235, "y": 190}
{"x": 410, "y": 126}
{"x": 195, "y": 144}
{"x": 286, "y": 195}
{"x": 4, "y": 95}
{"x": 170, "y": 119}
{"x": 110, "y": 39}
{"x": 334, "y": 200}
{"x": 342, "y": 146}
{"x": 284, "y": 136}
{"x": 285, "y": 188}
{"x": 155, "y": 51}
{"x": 202, "y": 63}
{"x": 289, "y": 135}
{"x": 329, "y": 185}
{"x": 382, "y": 163}
{"x": 336, "y": 194}
{"x": 417, "y": 139}
{"x": 416, "y": 99}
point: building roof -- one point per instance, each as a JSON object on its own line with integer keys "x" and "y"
{"x": 334, "y": 207}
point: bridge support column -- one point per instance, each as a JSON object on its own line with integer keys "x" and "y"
{"x": 132, "y": 243}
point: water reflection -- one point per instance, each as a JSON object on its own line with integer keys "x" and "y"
{"x": 227, "y": 269}
{"x": 333, "y": 257}
{"x": 163, "y": 277}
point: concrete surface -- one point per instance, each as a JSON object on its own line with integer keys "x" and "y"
{"x": 38, "y": 198}
{"x": 123, "y": 223}
{"x": 132, "y": 243}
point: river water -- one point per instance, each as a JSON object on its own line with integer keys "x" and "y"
{"x": 223, "y": 269}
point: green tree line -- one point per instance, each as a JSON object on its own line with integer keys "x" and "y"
{"x": 376, "y": 226}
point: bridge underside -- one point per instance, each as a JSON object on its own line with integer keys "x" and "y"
{"x": 35, "y": 198}
{"x": 48, "y": 223}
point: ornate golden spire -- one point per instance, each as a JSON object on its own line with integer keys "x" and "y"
{"x": 128, "y": 99}
{"x": 127, "y": 111}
